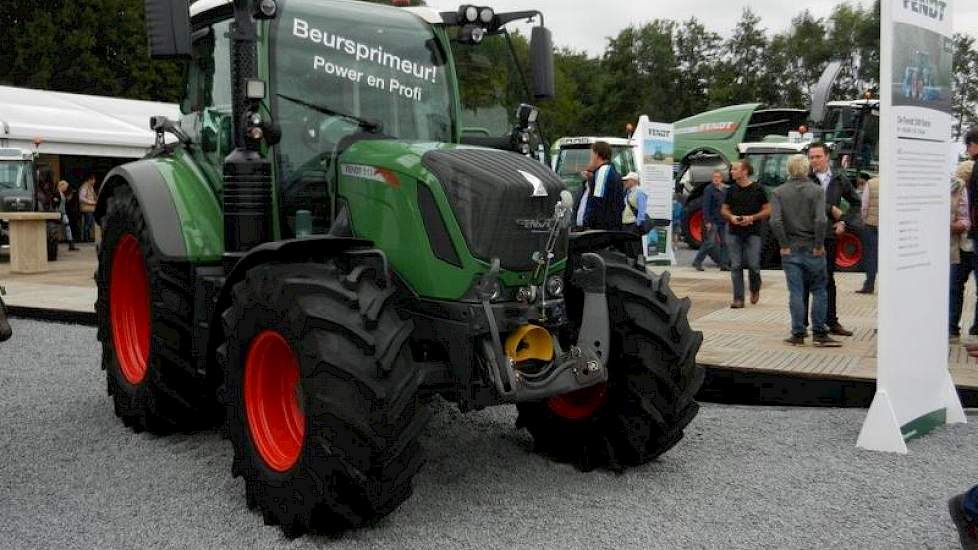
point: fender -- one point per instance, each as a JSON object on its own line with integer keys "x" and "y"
{"x": 317, "y": 248}
{"x": 158, "y": 208}
{"x": 589, "y": 241}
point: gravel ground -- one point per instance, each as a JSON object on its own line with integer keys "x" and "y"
{"x": 71, "y": 476}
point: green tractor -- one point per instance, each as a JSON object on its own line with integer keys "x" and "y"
{"x": 324, "y": 247}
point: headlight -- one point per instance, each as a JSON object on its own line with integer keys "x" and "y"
{"x": 486, "y": 15}
{"x": 471, "y": 14}
{"x": 555, "y": 286}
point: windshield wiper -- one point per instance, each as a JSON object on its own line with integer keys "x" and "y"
{"x": 374, "y": 126}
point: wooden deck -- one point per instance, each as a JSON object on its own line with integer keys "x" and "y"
{"x": 751, "y": 339}
{"x": 748, "y": 339}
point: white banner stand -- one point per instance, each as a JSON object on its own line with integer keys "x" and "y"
{"x": 881, "y": 432}
{"x": 914, "y": 390}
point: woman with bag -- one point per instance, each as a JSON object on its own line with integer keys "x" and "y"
{"x": 64, "y": 195}
{"x": 960, "y": 224}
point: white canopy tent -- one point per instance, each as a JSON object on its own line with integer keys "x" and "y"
{"x": 74, "y": 124}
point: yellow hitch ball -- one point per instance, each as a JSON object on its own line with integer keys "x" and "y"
{"x": 530, "y": 342}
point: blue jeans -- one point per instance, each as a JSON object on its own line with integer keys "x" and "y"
{"x": 871, "y": 243}
{"x": 714, "y": 245}
{"x": 970, "y": 503}
{"x": 803, "y": 270}
{"x": 88, "y": 226}
{"x": 745, "y": 251}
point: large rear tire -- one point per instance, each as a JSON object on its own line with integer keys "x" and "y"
{"x": 144, "y": 310}
{"x": 642, "y": 410}
{"x": 321, "y": 396}
{"x": 693, "y": 223}
{"x": 849, "y": 252}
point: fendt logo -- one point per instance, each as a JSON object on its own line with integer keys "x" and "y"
{"x": 933, "y": 9}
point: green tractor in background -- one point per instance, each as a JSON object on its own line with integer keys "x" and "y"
{"x": 326, "y": 245}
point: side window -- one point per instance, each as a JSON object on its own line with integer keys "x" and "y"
{"x": 220, "y": 84}
{"x": 208, "y": 82}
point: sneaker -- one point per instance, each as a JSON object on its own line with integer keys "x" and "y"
{"x": 699, "y": 267}
{"x": 839, "y": 330}
{"x": 795, "y": 340}
{"x": 755, "y": 297}
{"x": 864, "y": 290}
{"x": 825, "y": 341}
{"x": 737, "y": 304}
{"x": 967, "y": 527}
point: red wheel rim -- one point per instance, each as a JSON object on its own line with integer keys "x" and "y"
{"x": 275, "y": 418}
{"x": 848, "y": 251}
{"x": 580, "y": 404}
{"x": 696, "y": 226}
{"x": 129, "y": 309}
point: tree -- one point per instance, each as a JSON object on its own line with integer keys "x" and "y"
{"x": 697, "y": 52}
{"x": 965, "y": 82}
{"x": 740, "y": 72}
{"x": 73, "y": 48}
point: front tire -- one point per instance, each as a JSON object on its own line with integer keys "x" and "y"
{"x": 321, "y": 397}
{"x": 144, "y": 310}
{"x": 642, "y": 410}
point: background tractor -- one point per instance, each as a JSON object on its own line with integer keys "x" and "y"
{"x": 18, "y": 193}
{"x": 339, "y": 234}
{"x": 715, "y": 139}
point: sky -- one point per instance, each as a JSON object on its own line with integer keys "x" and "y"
{"x": 587, "y": 24}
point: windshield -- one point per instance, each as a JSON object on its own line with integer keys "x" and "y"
{"x": 491, "y": 84}
{"x": 391, "y": 72}
{"x": 770, "y": 169}
{"x": 854, "y": 132}
{"x": 16, "y": 175}
{"x": 572, "y": 161}
{"x": 341, "y": 69}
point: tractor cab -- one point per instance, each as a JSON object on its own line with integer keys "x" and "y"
{"x": 573, "y": 154}
{"x": 16, "y": 180}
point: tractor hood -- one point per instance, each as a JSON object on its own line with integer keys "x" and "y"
{"x": 495, "y": 204}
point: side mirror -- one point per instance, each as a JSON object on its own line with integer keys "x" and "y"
{"x": 542, "y": 61}
{"x": 168, "y": 29}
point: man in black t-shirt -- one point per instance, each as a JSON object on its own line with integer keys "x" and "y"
{"x": 744, "y": 208}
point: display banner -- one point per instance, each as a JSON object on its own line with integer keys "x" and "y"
{"x": 914, "y": 391}
{"x": 656, "y": 145}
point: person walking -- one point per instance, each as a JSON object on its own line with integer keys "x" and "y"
{"x": 836, "y": 188}
{"x": 964, "y": 513}
{"x": 603, "y": 196}
{"x": 88, "y": 200}
{"x": 714, "y": 239}
{"x": 961, "y": 246}
{"x": 798, "y": 222}
{"x": 744, "y": 207}
{"x": 871, "y": 232}
{"x": 634, "y": 217}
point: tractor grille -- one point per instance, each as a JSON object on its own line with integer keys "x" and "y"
{"x": 492, "y": 200}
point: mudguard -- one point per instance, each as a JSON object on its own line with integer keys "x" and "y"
{"x": 316, "y": 248}
{"x": 591, "y": 241}
{"x": 157, "y": 205}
